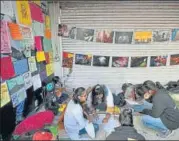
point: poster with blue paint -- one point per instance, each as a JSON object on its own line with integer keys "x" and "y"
{"x": 21, "y": 66}
{"x": 175, "y": 35}
{"x": 19, "y": 111}
{"x": 14, "y": 99}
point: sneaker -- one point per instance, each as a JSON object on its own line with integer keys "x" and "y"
{"x": 165, "y": 134}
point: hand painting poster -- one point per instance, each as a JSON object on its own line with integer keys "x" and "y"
{"x": 5, "y": 40}
{"x": 17, "y": 54}
{"x": 32, "y": 64}
{"x": 123, "y": 37}
{"x": 26, "y": 32}
{"x": 104, "y": 36}
{"x": 82, "y": 59}
{"x": 40, "y": 56}
{"x": 102, "y": 61}
{"x": 157, "y": 61}
{"x": 23, "y": 13}
{"x": 120, "y": 62}
{"x": 5, "y": 98}
{"x": 66, "y": 31}
{"x": 27, "y": 80}
{"x": 161, "y": 35}
{"x": 174, "y": 59}
{"x": 85, "y": 34}
{"x": 67, "y": 60}
{"x": 15, "y": 31}
{"x": 6, "y": 8}
{"x": 139, "y": 61}
{"x": 175, "y": 35}
{"x": 37, "y": 28}
{"x": 142, "y": 37}
{"x": 36, "y": 82}
{"x": 27, "y": 45}
{"x": 49, "y": 69}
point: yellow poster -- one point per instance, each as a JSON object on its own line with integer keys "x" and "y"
{"x": 37, "y": 2}
{"x": 47, "y": 22}
{"x": 50, "y": 57}
{"x": 49, "y": 69}
{"x": 143, "y": 37}
{"x": 23, "y": 12}
{"x": 40, "y": 56}
{"x": 5, "y": 98}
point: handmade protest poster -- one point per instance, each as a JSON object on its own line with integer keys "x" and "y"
{"x": 38, "y": 43}
{"x": 142, "y": 37}
{"x": 47, "y": 22}
{"x": 36, "y": 12}
{"x": 40, "y": 56}
{"x": 38, "y": 2}
{"x": 48, "y": 33}
{"x": 43, "y": 75}
{"x": 27, "y": 45}
{"x": 5, "y": 40}
{"x": 36, "y": 81}
{"x": 47, "y": 44}
{"x": 16, "y": 54}
{"x": 19, "y": 111}
{"x": 82, "y": 59}
{"x": 101, "y": 61}
{"x": 7, "y": 8}
{"x": 15, "y": 31}
{"x": 26, "y": 32}
{"x": 5, "y": 98}
{"x": 37, "y": 28}
{"x": 49, "y": 69}
{"x": 27, "y": 79}
{"x": 21, "y": 66}
{"x": 32, "y": 64}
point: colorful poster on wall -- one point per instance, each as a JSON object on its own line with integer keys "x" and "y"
{"x": 32, "y": 64}
{"x": 4, "y": 98}
{"x": 156, "y": 61}
{"x": 15, "y": 31}
{"x": 36, "y": 82}
{"x": 47, "y": 57}
{"x": 48, "y": 33}
{"x": 142, "y": 37}
{"x": 47, "y": 22}
{"x": 123, "y": 37}
{"x": 23, "y": 13}
{"x": 26, "y": 32}
{"x": 66, "y": 31}
{"x": 104, "y": 36}
{"x": 43, "y": 75}
{"x": 67, "y": 59}
{"x": 175, "y": 34}
{"x": 6, "y": 8}
{"x": 26, "y": 46}
{"x": 41, "y": 66}
{"x": 18, "y": 97}
{"x": 21, "y": 66}
{"x": 51, "y": 57}
{"x": 139, "y": 61}
{"x": 120, "y": 62}
{"x": 40, "y": 56}
{"x": 161, "y": 35}
{"x": 102, "y": 61}
{"x": 27, "y": 79}
{"x": 36, "y": 12}
{"x": 38, "y": 43}
{"x": 19, "y": 111}
{"x": 44, "y": 6}
{"x": 37, "y": 28}
{"x": 49, "y": 69}
{"x": 82, "y": 59}
{"x": 7, "y": 68}
{"x": 47, "y": 44}
{"x": 174, "y": 59}
{"x": 5, "y": 40}
{"x": 85, "y": 34}
{"x": 16, "y": 54}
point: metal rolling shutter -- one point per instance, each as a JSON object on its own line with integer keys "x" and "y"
{"x": 120, "y": 15}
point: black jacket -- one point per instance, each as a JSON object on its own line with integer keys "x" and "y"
{"x": 164, "y": 108}
{"x": 125, "y": 133}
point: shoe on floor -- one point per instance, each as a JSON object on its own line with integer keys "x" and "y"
{"x": 165, "y": 134}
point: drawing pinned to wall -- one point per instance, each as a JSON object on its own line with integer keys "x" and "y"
{"x": 175, "y": 34}
{"x": 104, "y": 36}
{"x": 44, "y": 6}
{"x": 26, "y": 32}
{"x": 40, "y": 56}
{"x": 38, "y": 43}
{"x": 32, "y": 64}
{"x": 49, "y": 69}
{"x": 27, "y": 79}
{"x": 47, "y": 45}
{"x": 17, "y": 54}
{"x": 82, "y": 59}
{"x": 47, "y": 22}
{"x": 19, "y": 111}
{"x": 23, "y": 13}
{"x": 123, "y": 37}
{"x": 67, "y": 59}
{"x": 66, "y": 31}
{"x": 157, "y": 61}
{"x": 4, "y": 98}
{"x": 37, "y": 28}
{"x": 43, "y": 75}
{"x": 41, "y": 66}
{"x": 26, "y": 47}
{"x": 161, "y": 35}
{"x": 139, "y": 61}
{"x": 48, "y": 33}
{"x": 102, "y": 61}
{"x": 174, "y": 59}
{"x": 15, "y": 31}
{"x": 47, "y": 57}
{"x": 36, "y": 12}
{"x": 142, "y": 37}
{"x": 51, "y": 57}
{"x": 36, "y": 82}
{"x": 6, "y": 8}
{"x": 5, "y": 40}
{"x": 7, "y": 68}
{"x": 85, "y": 34}
{"x": 21, "y": 66}
{"x": 120, "y": 62}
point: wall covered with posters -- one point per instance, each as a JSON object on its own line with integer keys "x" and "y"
{"x": 26, "y": 56}
{"x": 113, "y": 42}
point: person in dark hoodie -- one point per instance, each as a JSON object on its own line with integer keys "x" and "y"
{"x": 164, "y": 115}
{"x": 126, "y": 131}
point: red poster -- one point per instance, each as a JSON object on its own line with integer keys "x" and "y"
{"x": 38, "y": 43}
{"x": 36, "y": 12}
{"x": 47, "y": 57}
{"x": 7, "y": 68}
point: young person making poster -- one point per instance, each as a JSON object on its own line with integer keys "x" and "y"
{"x": 164, "y": 116}
{"x": 126, "y": 131}
{"x": 74, "y": 120}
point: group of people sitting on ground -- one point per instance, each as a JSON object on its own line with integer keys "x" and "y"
{"x": 157, "y": 108}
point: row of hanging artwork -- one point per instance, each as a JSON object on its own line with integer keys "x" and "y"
{"x": 119, "y": 37}
{"x": 118, "y": 62}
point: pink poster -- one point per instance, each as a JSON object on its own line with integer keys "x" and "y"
{"x": 5, "y": 41}
{"x": 38, "y": 43}
{"x": 36, "y": 12}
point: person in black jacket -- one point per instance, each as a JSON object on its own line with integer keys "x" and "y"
{"x": 126, "y": 131}
{"x": 164, "y": 115}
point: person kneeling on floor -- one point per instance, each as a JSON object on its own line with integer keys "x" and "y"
{"x": 74, "y": 121}
{"x": 164, "y": 115}
{"x": 126, "y": 131}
